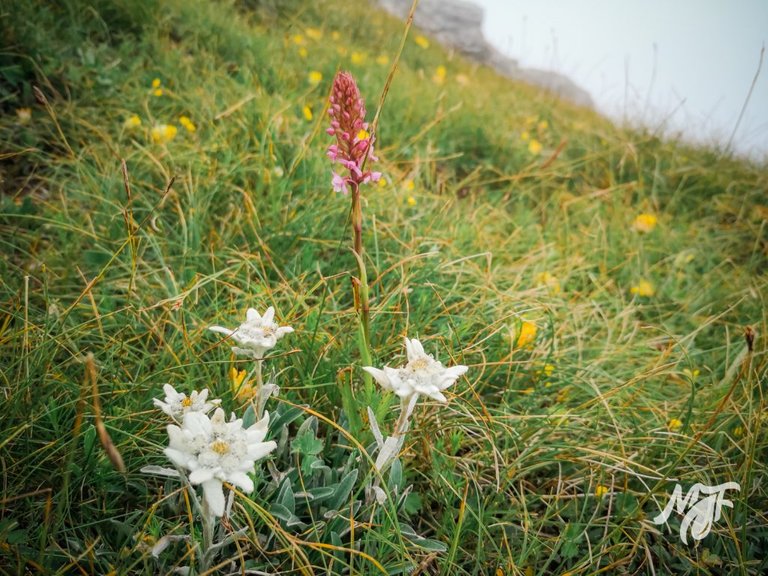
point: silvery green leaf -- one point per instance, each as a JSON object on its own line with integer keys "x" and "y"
{"x": 395, "y": 475}
{"x": 249, "y": 417}
{"x": 160, "y": 471}
{"x": 381, "y": 496}
{"x": 388, "y": 452}
{"x": 375, "y": 428}
{"x": 343, "y": 490}
{"x": 166, "y": 541}
{"x": 285, "y": 497}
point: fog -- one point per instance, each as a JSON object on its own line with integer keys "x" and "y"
{"x": 682, "y": 65}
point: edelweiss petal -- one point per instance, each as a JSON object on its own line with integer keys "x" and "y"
{"x": 215, "y": 451}
{"x": 256, "y": 335}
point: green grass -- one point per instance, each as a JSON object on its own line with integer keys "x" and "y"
{"x": 469, "y": 218}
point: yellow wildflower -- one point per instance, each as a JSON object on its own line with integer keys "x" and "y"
{"x": 645, "y": 222}
{"x": 303, "y": 52}
{"x": 534, "y": 147}
{"x": 133, "y": 122}
{"x": 314, "y": 33}
{"x": 548, "y": 280}
{"x": 307, "y": 111}
{"x": 382, "y": 182}
{"x": 543, "y": 125}
{"x": 525, "y": 136}
{"x": 527, "y": 334}
{"x": 357, "y": 57}
{"x": 643, "y": 289}
{"x": 601, "y": 490}
{"x": 187, "y": 123}
{"x": 163, "y": 133}
{"x": 674, "y": 424}
{"x": 738, "y": 431}
{"x": 411, "y": 201}
{"x": 315, "y": 77}
{"x": 691, "y": 374}
{"x": 242, "y": 390}
{"x": 382, "y": 60}
{"x": 157, "y": 91}
{"x": 23, "y": 115}
{"x": 421, "y": 42}
{"x": 298, "y": 39}
{"x": 440, "y": 75}
{"x": 363, "y": 134}
{"x": 156, "y": 83}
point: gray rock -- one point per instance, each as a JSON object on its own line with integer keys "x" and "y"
{"x": 459, "y": 25}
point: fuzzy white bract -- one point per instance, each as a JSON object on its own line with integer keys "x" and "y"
{"x": 177, "y": 404}
{"x": 421, "y": 375}
{"x": 256, "y": 335}
{"x": 216, "y": 451}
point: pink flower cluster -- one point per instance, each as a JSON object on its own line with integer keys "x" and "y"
{"x": 353, "y": 141}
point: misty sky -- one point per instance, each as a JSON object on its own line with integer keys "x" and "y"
{"x": 695, "y": 79}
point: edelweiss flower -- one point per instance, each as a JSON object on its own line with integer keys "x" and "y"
{"x": 217, "y": 451}
{"x": 177, "y": 404}
{"x": 256, "y": 335}
{"x": 421, "y": 375}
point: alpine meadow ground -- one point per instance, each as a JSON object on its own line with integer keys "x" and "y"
{"x": 163, "y": 169}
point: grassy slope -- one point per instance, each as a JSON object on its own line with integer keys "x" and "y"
{"x": 507, "y": 472}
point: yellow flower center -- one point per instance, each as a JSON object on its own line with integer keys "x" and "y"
{"x": 420, "y": 364}
{"x": 220, "y": 447}
{"x": 187, "y": 402}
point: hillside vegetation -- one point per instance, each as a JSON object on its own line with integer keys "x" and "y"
{"x": 606, "y": 288}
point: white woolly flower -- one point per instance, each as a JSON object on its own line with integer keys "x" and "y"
{"x": 216, "y": 451}
{"x": 177, "y": 403}
{"x": 256, "y": 335}
{"x": 421, "y": 375}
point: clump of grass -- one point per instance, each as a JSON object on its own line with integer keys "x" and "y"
{"x": 554, "y": 454}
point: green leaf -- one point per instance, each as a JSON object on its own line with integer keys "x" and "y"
{"x": 286, "y": 498}
{"x": 395, "y": 475}
{"x": 343, "y": 490}
{"x": 307, "y": 444}
{"x": 249, "y": 417}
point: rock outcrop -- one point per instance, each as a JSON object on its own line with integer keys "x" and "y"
{"x": 459, "y": 25}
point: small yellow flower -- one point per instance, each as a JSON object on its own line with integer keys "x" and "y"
{"x": 534, "y": 147}
{"x": 187, "y": 123}
{"x": 548, "y": 280}
{"x": 382, "y": 60}
{"x": 674, "y": 424}
{"x": 645, "y": 222}
{"x": 601, "y": 490}
{"x": 315, "y": 77}
{"x": 298, "y": 39}
{"x": 307, "y": 112}
{"x": 543, "y": 125}
{"x": 643, "y": 289}
{"x": 163, "y": 133}
{"x": 440, "y": 75}
{"x": 156, "y": 83}
{"x": 547, "y": 370}
{"x": 132, "y": 122}
{"x": 382, "y": 182}
{"x": 363, "y": 134}
{"x": 243, "y": 391}
{"x": 411, "y": 201}
{"x": 525, "y": 136}
{"x": 357, "y": 57}
{"x": 527, "y": 334}
{"x": 421, "y": 42}
{"x": 409, "y": 185}
{"x": 157, "y": 91}
{"x": 23, "y": 115}
{"x": 691, "y": 374}
{"x": 314, "y": 33}
{"x": 303, "y": 52}
{"x": 563, "y": 394}
{"x": 738, "y": 431}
